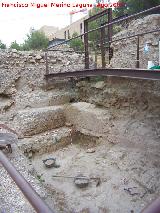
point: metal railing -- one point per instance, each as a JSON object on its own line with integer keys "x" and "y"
{"x": 110, "y": 41}
{"x": 37, "y": 203}
{"x": 111, "y": 23}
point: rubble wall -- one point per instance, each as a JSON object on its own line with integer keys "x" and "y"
{"x": 125, "y": 51}
{"x": 25, "y": 70}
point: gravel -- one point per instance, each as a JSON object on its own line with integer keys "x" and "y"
{"x": 11, "y": 198}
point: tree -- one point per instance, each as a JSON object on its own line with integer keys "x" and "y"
{"x": 15, "y": 45}
{"x": 95, "y": 36}
{"x": 36, "y": 40}
{"x": 134, "y": 6}
{"x": 2, "y": 45}
{"x": 77, "y": 43}
{"x": 120, "y": 11}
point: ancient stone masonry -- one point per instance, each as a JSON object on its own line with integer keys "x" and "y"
{"x": 124, "y": 51}
{"x": 25, "y": 70}
{"x": 33, "y": 111}
{"x": 22, "y": 83}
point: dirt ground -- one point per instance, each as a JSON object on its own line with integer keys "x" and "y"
{"x": 129, "y": 171}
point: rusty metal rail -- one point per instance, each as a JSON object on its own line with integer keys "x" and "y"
{"x": 131, "y": 73}
{"x": 103, "y": 47}
{"x": 38, "y": 204}
{"x": 154, "y": 207}
{"x": 108, "y": 24}
{"x": 134, "y": 35}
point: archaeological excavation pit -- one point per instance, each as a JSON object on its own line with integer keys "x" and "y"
{"x": 104, "y": 130}
{"x": 106, "y": 139}
{"x": 88, "y": 141}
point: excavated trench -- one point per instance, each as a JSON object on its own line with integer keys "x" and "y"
{"x": 105, "y": 128}
{"x": 128, "y": 173}
{"x": 118, "y": 152}
{"x": 109, "y": 134}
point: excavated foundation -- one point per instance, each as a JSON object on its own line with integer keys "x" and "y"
{"x": 106, "y": 129}
{"x": 121, "y": 153}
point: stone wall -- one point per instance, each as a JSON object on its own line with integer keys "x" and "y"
{"x": 124, "y": 51}
{"x": 22, "y": 82}
{"x": 26, "y": 70}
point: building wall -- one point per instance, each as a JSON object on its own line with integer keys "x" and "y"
{"x": 68, "y": 31}
{"x": 49, "y": 31}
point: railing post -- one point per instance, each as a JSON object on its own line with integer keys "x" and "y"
{"x": 46, "y": 60}
{"x": 137, "y": 61}
{"x": 47, "y": 70}
{"x": 86, "y": 45}
{"x": 159, "y": 51}
{"x": 110, "y": 29}
{"x": 103, "y": 47}
{"x": 95, "y": 51}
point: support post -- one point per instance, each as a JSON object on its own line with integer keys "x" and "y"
{"x": 86, "y": 46}
{"x": 46, "y": 59}
{"x": 159, "y": 52}
{"x": 103, "y": 47}
{"x": 47, "y": 69}
{"x": 95, "y": 57}
{"x": 110, "y": 32}
{"x": 137, "y": 61}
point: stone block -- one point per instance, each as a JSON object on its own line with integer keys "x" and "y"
{"x": 38, "y": 120}
{"x": 88, "y": 119}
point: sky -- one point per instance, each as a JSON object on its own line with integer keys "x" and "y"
{"x": 15, "y": 23}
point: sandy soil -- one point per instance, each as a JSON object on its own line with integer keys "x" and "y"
{"x": 129, "y": 173}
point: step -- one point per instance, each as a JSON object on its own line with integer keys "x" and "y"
{"x": 46, "y": 142}
{"x": 34, "y": 121}
{"x": 89, "y": 119}
{"x": 40, "y": 98}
